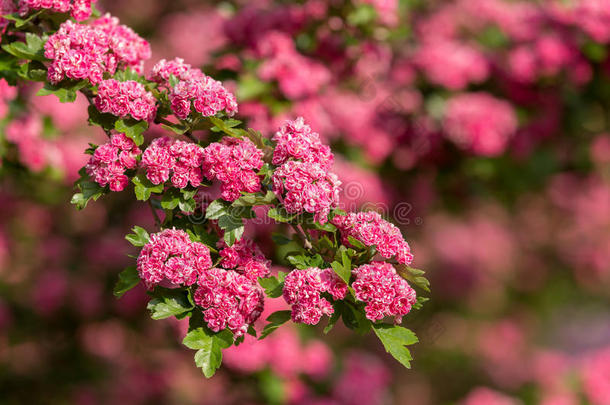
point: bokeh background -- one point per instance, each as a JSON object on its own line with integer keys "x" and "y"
{"x": 481, "y": 127}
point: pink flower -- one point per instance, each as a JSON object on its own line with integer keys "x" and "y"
{"x": 234, "y": 162}
{"x": 369, "y": 228}
{"x": 383, "y": 290}
{"x": 307, "y": 187}
{"x": 302, "y": 289}
{"x": 178, "y": 159}
{"x": 109, "y": 162}
{"x": 79, "y": 9}
{"x": 480, "y": 123}
{"x": 206, "y": 95}
{"x": 125, "y": 98}
{"x": 170, "y": 255}
{"x": 296, "y": 140}
{"x": 245, "y": 257}
{"x": 229, "y": 300}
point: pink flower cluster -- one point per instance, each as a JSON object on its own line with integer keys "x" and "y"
{"x": 306, "y": 186}
{"x": 83, "y": 52}
{"x": 206, "y": 95}
{"x": 297, "y": 75}
{"x": 229, "y": 299}
{"x": 296, "y": 140}
{"x": 181, "y": 160}
{"x": 480, "y": 122}
{"x": 109, "y": 162}
{"x": 245, "y": 257}
{"x": 372, "y": 230}
{"x": 170, "y": 255}
{"x": 234, "y": 162}
{"x": 303, "y": 289}
{"x": 383, "y": 290}
{"x": 80, "y": 10}
{"x": 125, "y": 98}
{"x": 162, "y": 71}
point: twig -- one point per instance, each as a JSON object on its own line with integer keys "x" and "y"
{"x": 154, "y": 212}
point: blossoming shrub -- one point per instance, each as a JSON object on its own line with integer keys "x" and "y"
{"x": 197, "y": 264}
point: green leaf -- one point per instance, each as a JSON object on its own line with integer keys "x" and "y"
{"x": 170, "y": 200}
{"x": 413, "y": 275}
{"x": 272, "y": 286}
{"x": 226, "y": 126}
{"x": 128, "y": 279}
{"x": 280, "y": 239}
{"x": 353, "y": 317}
{"x": 301, "y": 262}
{"x": 65, "y": 92}
{"x": 132, "y": 129}
{"x": 275, "y": 320}
{"x": 280, "y": 215}
{"x": 139, "y": 237}
{"x": 89, "y": 190}
{"x": 33, "y": 71}
{"x": 343, "y": 272}
{"x": 169, "y": 302}
{"x": 419, "y": 303}
{"x": 356, "y": 243}
{"x": 395, "y": 339}
{"x": 144, "y": 187}
{"x": 187, "y": 205}
{"x": 250, "y": 200}
{"x": 178, "y": 129}
{"x": 32, "y": 49}
{"x": 209, "y": 348}
{"x": 332, "y": 321}
{"x": 216, "y": 209}
{"x": 104, "y": 120}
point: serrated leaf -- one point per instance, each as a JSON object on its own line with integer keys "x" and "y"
{"x": 273, "y": 287}
{"x": 139, "y": 237}
{"x": 169, "y": 302}
{"x": 250, "y": 200}
{"x": 280, "y": 215}
{"x": 132, "y": 129}
{"x": 128, "y": 279}
{"x": 275, "y": 320}
{"x": 395, "y": 339}
{"x": 414, "y": 276}
{"x": 144, "y": 187}
{"x": 215, "y": 210}
{"x": 343, "y": 272}
{"x": 89, "y": 191}
{"x": 170, "y": 200}
{"x": 209, "y": 348}
{"x": 187, "y": 205}
{"x": 65, "y": 92}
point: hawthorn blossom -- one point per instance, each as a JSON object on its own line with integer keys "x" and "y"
{"x": 86, "y": 52}
{"x": 170, "y": 255}
{"x": 206, "y": 95}
{"x": 164, "y": 69}
{"x": 307, "y": 187}
{"x": 246, "y": 257}
{"x": 303, "y": 289}
{"x": 480, "y": 122}
{"x": 125, "y": 98}
{"x": 383, "y": 290}
{"x": 80, "y": 10}
{"x": 235, "y": 163}
{"x": 296, "y": 140}
{"x": 165, "y": 158}
{"x": 111, "y": 160}
{"x": 372, "y": 230}
{"x": 229, "y": 300}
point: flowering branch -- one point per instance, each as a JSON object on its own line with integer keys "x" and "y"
{"x": 353, "y": 266}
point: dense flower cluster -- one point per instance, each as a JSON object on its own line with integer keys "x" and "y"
{"x": 307, "y": 187}
{"x": 234, "y": 162}
{"x": 229, "y": 299}
{"x": 181, "y": 160}
{"x": 372, "y": 230}
{"x": 303, "y": 289}
{"x": 296, "y": 140}
{"x": 383, "y": 290}
{"x": 86, "y": 52}
{"x": 170, "y": 255}
{"x": 109, "y": 162}
{"x": 480, "y": 123}
{"x": 80, "y": 10}
{"x": 246, "y": 257}
{"x": 206, "y": 95}
{"x": 164, "y": 69}
{"x": 125, "y": 98}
